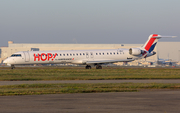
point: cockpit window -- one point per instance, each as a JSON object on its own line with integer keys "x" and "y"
{"x": 16, "y": 55}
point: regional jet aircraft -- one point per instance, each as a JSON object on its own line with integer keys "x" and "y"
{"x": 85, "y": 57}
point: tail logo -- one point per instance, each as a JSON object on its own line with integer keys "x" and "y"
{"x": 150, "y": 42}
{"x": 151, "y": 45}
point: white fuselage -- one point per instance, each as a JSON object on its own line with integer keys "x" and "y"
{"x": 86, "y": 57}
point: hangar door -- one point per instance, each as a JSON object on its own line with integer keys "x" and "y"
{"x": 26, "y": 54}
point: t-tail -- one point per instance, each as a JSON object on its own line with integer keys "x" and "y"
{"x": 147, "y": 49}
{"x": 151, "y": 43}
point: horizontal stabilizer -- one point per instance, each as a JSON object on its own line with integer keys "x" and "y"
{"x": 159, "y": 36}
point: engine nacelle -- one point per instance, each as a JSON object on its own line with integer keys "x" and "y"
{"x": 135, "y": 51}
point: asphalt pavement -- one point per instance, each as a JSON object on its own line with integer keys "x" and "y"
{"x": 148, "y": 101}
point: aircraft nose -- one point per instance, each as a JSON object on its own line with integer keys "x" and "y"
{"x": 5, "y": 61}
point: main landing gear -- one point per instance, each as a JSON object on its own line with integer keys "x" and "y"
{"x": 88, "y": 67}
{"x": 12, "y": 66}
{"x": 98, "y": 67}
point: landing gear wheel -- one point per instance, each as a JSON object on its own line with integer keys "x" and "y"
{"x": 12, "y": 66}
{"x": 98, "y": 67}
{"x": 88, "y": 67}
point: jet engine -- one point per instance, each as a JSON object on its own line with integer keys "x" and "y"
{"x": 135, "y": 51}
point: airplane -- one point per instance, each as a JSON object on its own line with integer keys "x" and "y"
{"x": 165, "y": 62}
{"x": 85, "y": 57}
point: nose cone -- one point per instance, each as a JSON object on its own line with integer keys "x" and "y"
{"x": 5, "y": 61}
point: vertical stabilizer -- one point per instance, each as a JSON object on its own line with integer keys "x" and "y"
{"x": 151, "y": 42}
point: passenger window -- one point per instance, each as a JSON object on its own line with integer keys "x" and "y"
{"x": 67, "y": 54}
{"x": 60, "y": 54}
{"x": 96, "y": 53}
{"x": 111, "y": 53}
{"x": 70, "y": 54}
{"x": 103, "y": 53}
{"x": 99, "y": 53}
{"x": 83, "y": 53}
{"x": 64, "y": 54}
{"x": 80, "y": 53}
{"x": 107, "y": 53}
{"x": 77, "y": 54}
{"x": 114, "y": 53}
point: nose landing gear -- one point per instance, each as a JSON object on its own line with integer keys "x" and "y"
{"x": 12, "y": 66}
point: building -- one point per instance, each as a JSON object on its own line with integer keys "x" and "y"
{"x": 169, "y": 50}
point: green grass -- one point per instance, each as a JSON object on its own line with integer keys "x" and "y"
{"x": 37, "y": 89}
{"x": 79, "y": 73}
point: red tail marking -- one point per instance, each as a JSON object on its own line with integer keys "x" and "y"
{"x": 151, "y": 41}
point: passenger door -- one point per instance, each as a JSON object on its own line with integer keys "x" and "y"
{"x": 26, "y": 54}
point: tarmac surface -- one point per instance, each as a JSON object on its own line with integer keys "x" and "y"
{"x": 146, "y": 101}
{"x": 91, "y": 81}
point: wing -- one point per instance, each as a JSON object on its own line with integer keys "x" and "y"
{"x": 106, "y": 61}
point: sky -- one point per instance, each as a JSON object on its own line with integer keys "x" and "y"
{"x": 88, "y": 21}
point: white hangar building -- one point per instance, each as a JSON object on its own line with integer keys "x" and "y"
{"x": 168, "y": 50}
{"x": 164, "y": 50}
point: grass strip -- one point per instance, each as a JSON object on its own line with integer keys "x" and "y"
{"x": 38, "y": 89}
{"x": 29, "y": 74}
